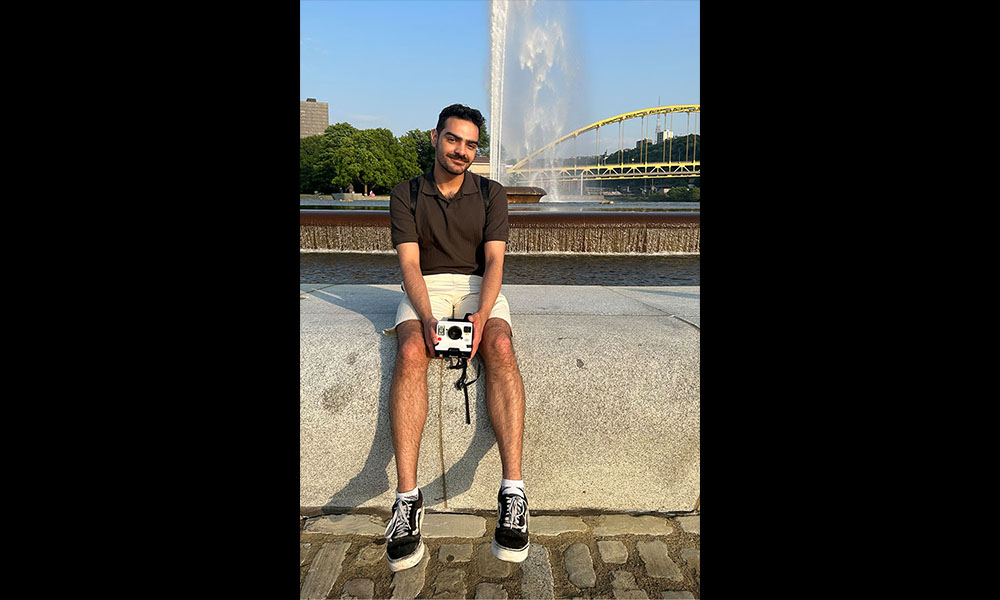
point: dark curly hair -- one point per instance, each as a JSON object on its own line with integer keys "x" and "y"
{"x": 462, "y": 112}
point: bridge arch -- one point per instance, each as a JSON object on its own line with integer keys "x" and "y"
{"x": 666, "y": 168}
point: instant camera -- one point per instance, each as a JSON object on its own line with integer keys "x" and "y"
{"x": 454, "y": 338}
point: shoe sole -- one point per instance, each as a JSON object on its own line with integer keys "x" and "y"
{"x": 508, "y": 555}
{"x": 407, "y": 561}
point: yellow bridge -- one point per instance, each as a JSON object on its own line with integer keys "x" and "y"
{"x": 643, "y": 163}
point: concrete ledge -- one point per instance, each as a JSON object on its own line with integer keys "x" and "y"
{"x": 612, "y": 386}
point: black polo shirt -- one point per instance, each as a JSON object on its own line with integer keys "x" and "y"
{"x": 451, "y": 233}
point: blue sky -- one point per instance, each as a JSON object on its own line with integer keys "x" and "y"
{"x": 396, "y": 64}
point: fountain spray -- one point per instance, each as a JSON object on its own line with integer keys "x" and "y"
{"x": 498, "y": 51}
{"x": 530, "y": 92}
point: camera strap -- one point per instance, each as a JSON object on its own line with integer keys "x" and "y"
{"x": 462, "y": 384}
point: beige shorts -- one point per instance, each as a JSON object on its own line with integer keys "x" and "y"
{"x": 451, "y": 296}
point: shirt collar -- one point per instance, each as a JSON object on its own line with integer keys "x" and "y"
{"x": 429, "y": 188}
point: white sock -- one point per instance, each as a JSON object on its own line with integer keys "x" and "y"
{"x": 410, "y": 494}
{"x": 516, "y": 484}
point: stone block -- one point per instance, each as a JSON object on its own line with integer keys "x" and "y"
{"x": 438, "y": 525}
{"x": 358, "y": 589}
{"x": 324, "y": 570}
{"x": 579, "y": 565}
{"x": 690, "y": 523}
{"x": 490, "y": 591}
{"x": 449, "y": 583}
{"x": 536, "y": 574}
{"x": 658, "y": 562}
{"x": 370, "y": 555}
{"x": 608, "y": 525}
{"x": 449, "y": 553}
{"x": 555, "y": 525}
{"x": 489, "y": 565}
{"x": 612, "y": 551}
{"x": 624, "y": 586}
{"x": 692, "y": 556}
{"x": 406, "y": 584}
{"x": 346, "y": 525}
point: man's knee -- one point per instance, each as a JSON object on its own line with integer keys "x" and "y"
{"x": 497, "y": 344}
{"x": 412, "y": 350}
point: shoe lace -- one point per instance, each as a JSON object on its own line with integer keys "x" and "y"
{"x": 399, "y": 525}
{"x": 514, "y": 513}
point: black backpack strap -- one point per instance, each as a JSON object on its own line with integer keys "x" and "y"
{"x": 484, "y": 188}
{"x": 414, "y": 186}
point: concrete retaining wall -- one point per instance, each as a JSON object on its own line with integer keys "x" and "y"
{"x": 611, "y": 377}
{"x": 596, "y": 232}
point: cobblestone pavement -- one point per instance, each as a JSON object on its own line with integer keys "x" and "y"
{"x": 571, "y": 556}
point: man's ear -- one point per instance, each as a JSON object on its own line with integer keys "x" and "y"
{"x": 434, "y": 138}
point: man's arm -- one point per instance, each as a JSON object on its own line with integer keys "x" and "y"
{"x": 490, "y": 289}
{"x": 416, "y": 289}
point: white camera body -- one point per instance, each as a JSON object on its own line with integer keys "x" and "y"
{"x": 454, "y": 338}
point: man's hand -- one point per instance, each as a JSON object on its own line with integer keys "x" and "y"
{"x": 478, "y": 324}
{"x": 430, "y": 335}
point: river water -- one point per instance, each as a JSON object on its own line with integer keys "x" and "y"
{"x": 519, "y": 269}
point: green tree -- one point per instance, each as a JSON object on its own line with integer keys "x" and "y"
{"x": 376, "y": 160}
{"x": 336, "y": 166}
{"x": 405, "y": 158}
{"x": 422, "y": 146}
{"x": 368, "y": 159}
{"x": 310, "y": 149}
{"x": 484, "y": 142}
{"x": 337, "y": 133}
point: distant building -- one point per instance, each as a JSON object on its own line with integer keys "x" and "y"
{"x": 660, "y": 136}
{"x": 314, "y": 117}
{"x": 480, "y": 165}
{"x": 639, "y": 143}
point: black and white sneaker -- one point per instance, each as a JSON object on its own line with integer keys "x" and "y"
{"x": 403, "y": 547}
{"x": 510, "y": 538}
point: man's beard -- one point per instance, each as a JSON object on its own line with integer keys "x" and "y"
{"x": 446, "y": 164}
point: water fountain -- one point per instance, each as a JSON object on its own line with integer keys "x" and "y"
{"x": 584, "y": 232}
{"x": 530, "y": 89}
{"x": 523, "y": 194}
{"x": 530, "y": 103}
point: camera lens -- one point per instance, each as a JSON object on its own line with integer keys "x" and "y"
{"x": 455, "y": 332}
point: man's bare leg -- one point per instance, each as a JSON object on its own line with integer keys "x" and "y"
{"x": 408, "y": 401}
{"x": 504, "y": 394}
